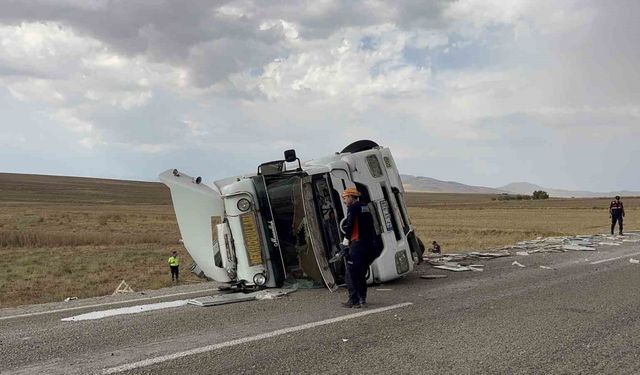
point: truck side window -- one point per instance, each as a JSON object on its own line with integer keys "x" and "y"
{"x": 402, "y": 207}
{"x": 394, "y": 221}
{"x": 374, "y": 166}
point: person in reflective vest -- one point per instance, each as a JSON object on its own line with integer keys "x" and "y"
{"x": 616, "y": 213}
{"x": 174, "y": 265}
{"x": 361, "y": 238}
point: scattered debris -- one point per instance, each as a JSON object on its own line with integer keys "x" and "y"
{"x": 455, "y": 267}
{"x": 383, "y": 290}
{"x": 272, "y": 294}
{"x": 70, "y": 299}
{"x": 489, "y": 255}
{"x": 634, "y": 261}
{"x": 345, "y": 340}
{"x": 516, "y": 263}
{"x": 122, "y": 288}
{"x": 574, "y": 247}
{"x": 546, "y": 267}
{"x": 558, "y": 244}
{"x": 433, "y": 276}
{"x": 223, "y": 299}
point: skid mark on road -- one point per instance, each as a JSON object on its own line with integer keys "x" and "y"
{"x": 244, "y": 340}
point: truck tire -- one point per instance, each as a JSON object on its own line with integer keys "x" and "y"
{"x": 361, "y": 145}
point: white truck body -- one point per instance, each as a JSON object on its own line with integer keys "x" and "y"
{"x": 281, "y": 224}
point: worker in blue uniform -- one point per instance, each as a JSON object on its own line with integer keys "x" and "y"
{"x": 363, "y": 244}
{"x": 616, "y": 213}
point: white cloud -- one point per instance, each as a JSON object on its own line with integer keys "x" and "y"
{"x": 445, "y": 81}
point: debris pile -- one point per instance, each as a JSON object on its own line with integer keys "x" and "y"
{"x": 570, "y": 243}
{"x": 560, "y": 244}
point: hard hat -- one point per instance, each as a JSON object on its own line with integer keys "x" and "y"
{"x": 351, "y": 192}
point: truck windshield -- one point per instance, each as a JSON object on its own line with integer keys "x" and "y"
{"x": 285, "y": 195}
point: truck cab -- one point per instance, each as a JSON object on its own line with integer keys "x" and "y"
{"x": 281, "y": 225}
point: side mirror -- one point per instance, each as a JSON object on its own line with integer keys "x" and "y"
{"x": 290, "y": 156}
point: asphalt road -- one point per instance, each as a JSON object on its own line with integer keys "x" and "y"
{"x": 581, "y": 317}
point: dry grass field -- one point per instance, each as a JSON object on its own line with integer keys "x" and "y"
{"x": 67, "y": 236}
{"x": 461, "y": 222}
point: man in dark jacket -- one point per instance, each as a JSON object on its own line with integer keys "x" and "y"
{"x": 361, "y": 238}
{"x": 616, "y": 213}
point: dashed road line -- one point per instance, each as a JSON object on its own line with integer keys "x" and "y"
{"x": 244, "y": 340}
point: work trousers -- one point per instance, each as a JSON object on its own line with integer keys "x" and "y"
{"x": 614, "y": 219}
{"x": 175, "y": 270}
{"x": 356, "y": 275}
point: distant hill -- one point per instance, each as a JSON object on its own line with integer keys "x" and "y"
{"x": 528, "y": 188}
{"x": 17, "y": 187}
{"x": 431, "y": 185}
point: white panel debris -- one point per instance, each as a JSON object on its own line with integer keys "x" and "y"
{"x": 516, "y": 263}
{"x": 546, "y": 267}
{"x": 223, "y": 299}
{"x": 125, "y": 310}
{"x": 578, "y": 248}
{"x": 634, "y": 261}
{"x": 453, "y": 267}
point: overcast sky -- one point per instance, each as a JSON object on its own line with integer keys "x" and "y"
{"x": 480, "y": 92}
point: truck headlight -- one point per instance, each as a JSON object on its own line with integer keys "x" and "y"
{"x": 259, "y": 279}
{"x": 244, "y": 204}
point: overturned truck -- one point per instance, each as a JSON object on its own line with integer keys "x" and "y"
{"x": 282, "y": 224}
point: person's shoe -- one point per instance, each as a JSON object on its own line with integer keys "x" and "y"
{"x": 363, "y": 304}
{"x": 350, "y": 305}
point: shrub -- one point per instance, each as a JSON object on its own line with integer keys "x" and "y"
{"x": 512, "y": 197}
{"x": 540, "y": 194}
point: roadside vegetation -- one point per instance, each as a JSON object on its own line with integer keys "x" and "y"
{"x": 77, "y": 237}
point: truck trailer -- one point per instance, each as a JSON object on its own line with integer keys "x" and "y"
{"x": 282, "y": 224}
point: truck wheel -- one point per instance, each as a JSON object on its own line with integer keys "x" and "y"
{"x": 361, "y": 145}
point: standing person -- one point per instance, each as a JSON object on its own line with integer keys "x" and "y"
{"x": 616, "y": 213}
{"x": 360, "y": 236}
{"x": 174, "y": 264}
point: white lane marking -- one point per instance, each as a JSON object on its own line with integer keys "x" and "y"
{"x": 126, "y": 310}
{"x": 612, "y": 259}
{"x": 244, "y": 340}
{"x": 102, "y": 304}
